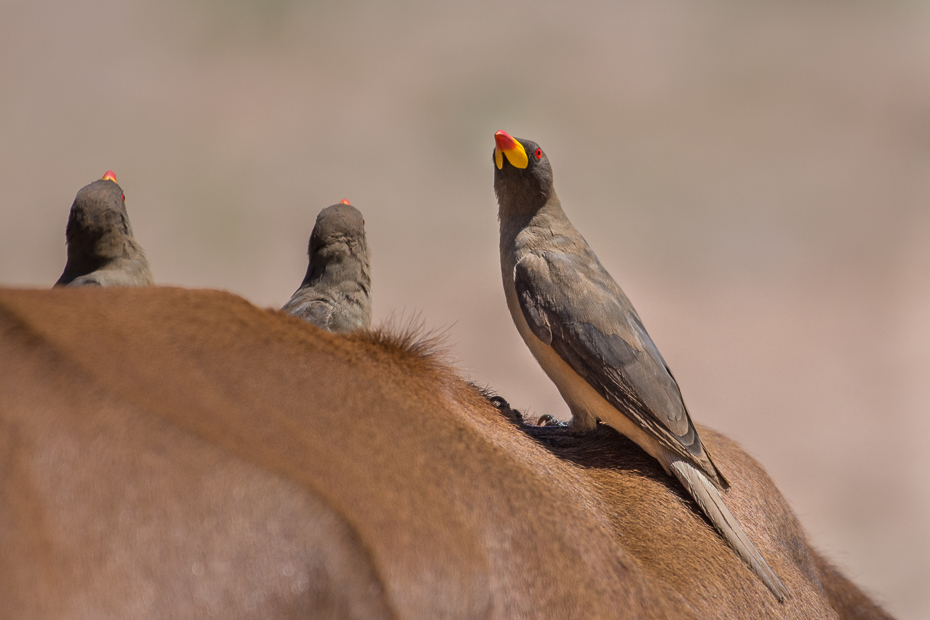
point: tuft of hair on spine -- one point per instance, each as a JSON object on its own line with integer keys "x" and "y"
{"x": 412, "y": 339}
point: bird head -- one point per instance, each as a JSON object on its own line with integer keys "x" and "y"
{"x": 338, "y": 249}
{"x": 98, "y": 217}
{"x": 522, "y": 174}
{"x": 339, "y": 228}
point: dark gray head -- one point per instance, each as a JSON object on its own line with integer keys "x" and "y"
{"x": 522, "y": 174}
{"x": 98, "y": 233}
{"x": 98, "y": 213}
{"x": 338, "y": 245}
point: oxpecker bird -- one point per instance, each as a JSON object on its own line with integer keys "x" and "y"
{"x": 101, "y": 248}
{"x": 336, "y": 292}
{"x": 589, "y": 340}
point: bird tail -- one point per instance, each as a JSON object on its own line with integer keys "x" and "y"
{"x": 708, "y": 498}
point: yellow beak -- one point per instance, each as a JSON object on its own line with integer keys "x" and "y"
{"x": 507, "y": 145}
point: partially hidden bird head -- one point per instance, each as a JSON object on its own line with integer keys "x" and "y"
{"x": 339, "y": 232}
{"x": 522, "y": 174}
{"x": 98, "y": 220}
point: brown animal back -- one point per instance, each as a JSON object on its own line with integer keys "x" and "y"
{"x": 190, "y": 452}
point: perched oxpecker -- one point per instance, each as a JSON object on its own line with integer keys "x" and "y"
{"x": 102, "y": 250}
{"x": 587, "y": 337}
{"x": 336, "y": 292}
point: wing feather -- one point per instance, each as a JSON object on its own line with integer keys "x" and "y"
{"x": 571, "y": 303}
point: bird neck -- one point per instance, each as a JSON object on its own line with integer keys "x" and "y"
{"x": 99, "y": 233}
{"x": 338, "y": 269}
{"x": 518, "y": 217}
{"x": 89, "y": 252}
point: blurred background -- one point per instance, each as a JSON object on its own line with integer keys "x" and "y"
{"x": 756, "y": 176}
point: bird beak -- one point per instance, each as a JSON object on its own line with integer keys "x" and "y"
{"x": 507, "y": 145}
{"x": 109, "y": 176}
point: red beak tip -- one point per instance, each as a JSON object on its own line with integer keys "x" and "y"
{"x": 504, "y": 140}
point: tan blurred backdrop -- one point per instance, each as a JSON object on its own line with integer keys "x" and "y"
{"x": 755, "y": 175}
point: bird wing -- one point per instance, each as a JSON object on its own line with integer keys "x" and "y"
{"x": 573, "y": 305}
{"x": 91, "y": 279}
{"x": 310, "y": 307}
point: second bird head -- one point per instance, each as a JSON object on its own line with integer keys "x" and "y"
{"x": 339, "y": 232}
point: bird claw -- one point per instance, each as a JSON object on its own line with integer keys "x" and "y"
{"x": 504, "y": 407}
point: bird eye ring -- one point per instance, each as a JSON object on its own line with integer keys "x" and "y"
{"x": 538, "y": 153}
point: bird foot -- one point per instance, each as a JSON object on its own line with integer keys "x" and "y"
{"x": 509, "y": 412}
{"x": 549, "y": 420}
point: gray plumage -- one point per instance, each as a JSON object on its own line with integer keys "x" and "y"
{"x": 336, "y": 292}
{"x": 588, "y": 338}
{"x": 101, "y": 248}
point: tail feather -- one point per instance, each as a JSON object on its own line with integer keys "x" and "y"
{"x": 708, "y": 498}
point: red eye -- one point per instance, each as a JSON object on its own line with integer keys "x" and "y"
{"x": 538, "y": 153}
